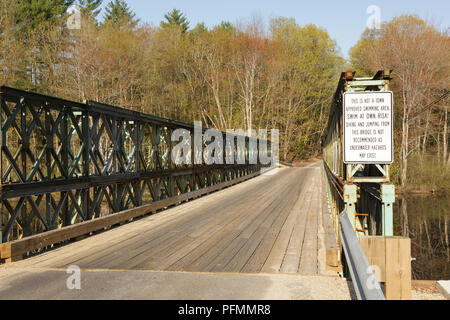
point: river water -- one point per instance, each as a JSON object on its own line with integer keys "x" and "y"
{"x": 426, "y": 220}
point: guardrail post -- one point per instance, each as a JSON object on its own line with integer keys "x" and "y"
{"x": 350, "y": 200}
{"x": 387, "y": 200}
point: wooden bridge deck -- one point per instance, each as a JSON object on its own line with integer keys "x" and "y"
{"x": 270, "y": 224}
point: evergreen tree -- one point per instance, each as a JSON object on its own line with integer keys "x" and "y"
{"x": 227, "y": 26}
{"x": 90, "y": 7}
{"x": 199, "y": 29}
{"x": 118, "y": 10}
{"x": 175, "y": 18}
{"x": 33, "y": 13}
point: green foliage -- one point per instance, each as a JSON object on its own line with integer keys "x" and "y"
{"x": 311, "y": 65}
{"x": 428, "y": 173}
{"x": 199, "y": 29}
{"x": 418, "y": 55}
{"x": 395, "y": 166}
{"x": 227, "y": 26}
{"x": 35, "y": 13}
{"x": 117, "y": 11}
{"x": 175, "y": 18}
{"x": 90, "y": 8}
{"x": 227, "y": 77}
{"x": 361, "y": 52}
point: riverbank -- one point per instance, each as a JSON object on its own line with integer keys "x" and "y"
{"x": 421, "y": 190}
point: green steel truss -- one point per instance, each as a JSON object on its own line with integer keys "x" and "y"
{"x": 364, "y": 190}
{"x": 64, "y": 162}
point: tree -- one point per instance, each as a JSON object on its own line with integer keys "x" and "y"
{"x": 200, "y": 28}
{"x": 361, "y": 51}
{"x": 12, "y": 52}
{"x": 227, "y": 76}
{"x": 34, "y": 13}
{"x": 175, "y": 18}
{"x": 90, "y": 8}
{"x": 308, "y": 67}
{"x": 227, "y": 26}
{"x": 418, "y": 54}
{"x": 118, "y": 11}
{"x": 37, "y": 25}
{"x": 211, "y": 66}
{"x": 250, "y": 52}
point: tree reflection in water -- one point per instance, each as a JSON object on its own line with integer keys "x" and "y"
{"x": 425, "y": 219}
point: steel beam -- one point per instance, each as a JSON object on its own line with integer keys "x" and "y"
{"x": 64, "y": 162}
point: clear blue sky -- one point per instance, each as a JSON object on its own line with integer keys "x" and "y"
{"x": 344, "y": 20}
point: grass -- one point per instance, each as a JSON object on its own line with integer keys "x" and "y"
{"x": 428, "y": 174}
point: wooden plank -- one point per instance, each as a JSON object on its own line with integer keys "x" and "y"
{"x": 239, "y": 231}
{"x": 331, "y": 243}
{"x": 278, "y": 250}
{"x": 167, "y": 239}
{"x": 309, "y": 252}
{"x": 392, "y": 286}
{"x": 197, "y": 237}
{"x": 274, "y": 222}
{"x": 291, "y": 259}
{"x": 131, "y": 253}
{"x": 201, "y": 256}
{"x": 104, "y": 244}
{"x": 224, "y": 257}
{"x": 404, "y": 262}
{"x": 398, "y": 268}
{"x": 222, "y": 251}
{"x": 19, "y": 247}
{"x": 392, "y": 257}
{"x": 207, "y": 224}
{"x": 275, "y": 259}
{"x": 99, "y": 242}
{"x": 374, "y": 248}
{"x": 128, "y": 254}
{"x": 261, "y": 254}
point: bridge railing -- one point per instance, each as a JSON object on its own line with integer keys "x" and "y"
{"x": 64, "y": 163}
{"x": 363, "y": 191}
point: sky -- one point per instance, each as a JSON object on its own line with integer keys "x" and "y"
{"x": 344, "y": 20}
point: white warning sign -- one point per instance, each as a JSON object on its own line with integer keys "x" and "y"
{"x": 368, "y": 126}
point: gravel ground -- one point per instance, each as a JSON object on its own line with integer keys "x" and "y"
{"x": 426, "y": 295}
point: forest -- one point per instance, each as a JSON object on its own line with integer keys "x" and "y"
{"x": 245, "y": 74}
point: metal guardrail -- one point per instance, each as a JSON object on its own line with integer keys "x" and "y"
{"x": 363, "y": 279}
